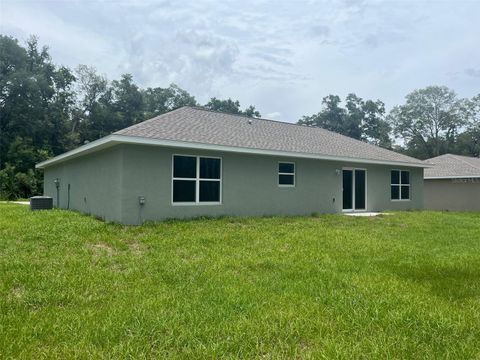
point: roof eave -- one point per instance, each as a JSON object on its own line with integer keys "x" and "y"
{"x": 451, "y": 177}
{"x": 91, "y": 147}
{"x": 114, "y": 139}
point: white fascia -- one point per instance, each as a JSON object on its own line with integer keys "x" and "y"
{"x": 451, "y": 177}
{"x": 114, "y": 139}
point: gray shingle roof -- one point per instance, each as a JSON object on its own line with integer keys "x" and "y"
{"x": 449, "y": 165}
{"x": 190, "y": 124}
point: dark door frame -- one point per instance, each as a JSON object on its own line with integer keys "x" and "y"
{"x": 353, "y": 169}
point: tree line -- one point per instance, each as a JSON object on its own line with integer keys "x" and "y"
{"x": 431, "y": 122}
{"x": 46, "y": 109}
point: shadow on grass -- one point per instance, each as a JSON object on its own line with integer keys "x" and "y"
{"x": 452, "y": 282}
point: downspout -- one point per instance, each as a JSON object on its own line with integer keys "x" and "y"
{"x": 68, "y": 197}
{"x": 57, "y": 185}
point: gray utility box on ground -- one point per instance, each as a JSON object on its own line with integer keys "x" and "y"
{"x": 41, "y": 203}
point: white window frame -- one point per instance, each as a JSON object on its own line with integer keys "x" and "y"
{"x": 197, "y": 180}
{"x": 283, "y": 173}
{"x": 400, "y": 185}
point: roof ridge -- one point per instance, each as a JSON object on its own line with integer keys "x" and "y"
{"x": 250, "y": 117}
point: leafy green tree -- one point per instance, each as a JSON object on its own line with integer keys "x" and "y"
{"x": 231, "y": 107}
{"x": 468, "y": 142}
{"x": 429, "y": 120}
{"x": 362, "y": 120}
{"x": 159, "y": 100}
{"x": 352, "y": 122}
{"x": 332, "y": 117}
{"x": 127, "y": 102}
{"x": 36, "y": 99}
{"x": 94, "y": 115}
{"x": 90, "y": 87}
{"x": 474, "y": 109}
{"x": 46, "y": 110}
{"x": 251, "y": 112}
{"x": 103, "y": 108}
{"x": 13, "y": 74}
{"x": 376, "y": 129}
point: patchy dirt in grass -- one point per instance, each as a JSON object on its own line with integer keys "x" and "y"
{"x": 103, "y": 249}
{"x": 238, "y": 224}
{"x": 118, "y": 267}
{"x": 137, "y": 248}
{"x": 17, "y": 292}
{"x": 188, "y": 256}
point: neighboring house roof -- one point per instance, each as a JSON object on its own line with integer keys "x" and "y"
{"x": 451, "y": 166}
{"x": 191, "y": 127}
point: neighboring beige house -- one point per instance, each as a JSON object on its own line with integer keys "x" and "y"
{"x": 452, "y": 183}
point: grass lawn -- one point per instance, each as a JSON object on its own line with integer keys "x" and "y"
{"x": 402, "y": 286}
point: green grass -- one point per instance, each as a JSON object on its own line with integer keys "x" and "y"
{"x": 401, "y": 286}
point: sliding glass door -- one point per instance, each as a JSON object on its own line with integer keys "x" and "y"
{"x": 354, "y": 184}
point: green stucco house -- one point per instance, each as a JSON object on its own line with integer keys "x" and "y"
{"x": 194, "y": 162}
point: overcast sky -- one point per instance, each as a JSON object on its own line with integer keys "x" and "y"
{"x": 281, "y": 56}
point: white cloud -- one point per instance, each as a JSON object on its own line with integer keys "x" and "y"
{"x": 274, "y": 115}
{"x": 281, "y": 56}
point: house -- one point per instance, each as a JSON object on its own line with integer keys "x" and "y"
{"x": 194, "y": 162}
{"x": 452, "y": 183}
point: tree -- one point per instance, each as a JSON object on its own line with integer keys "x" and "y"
{"x": 331, "y": 117}
{"x": 36, "y": 101}
{"x": 104, "y": 108}
{"x": 468, "y": 142}
{"x": 362, "y": 120}
{"x": 354, "y": 117}
{"x": 47, "y": 109}
{"x": 231, "y": 107}
{"x": 376, "y": 130}
{"x": 90, "y": 88}
{"x": 429, "y": 120}
{"x": 161, "y": 100}
{"x": 13, "y": 68}
{"x": 127, "y": 101}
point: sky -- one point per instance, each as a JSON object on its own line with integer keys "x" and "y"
{"x": 281, "y": 56}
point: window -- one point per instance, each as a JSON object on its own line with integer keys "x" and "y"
{"x": 400, "y": 185}
{"x": 196, "y": 180}
{"x": 286, "y": 174}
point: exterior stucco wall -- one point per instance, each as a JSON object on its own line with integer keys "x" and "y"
{"x": 108, "y": 184}
{"x": 378, "y": 188}
{"x": 447, "y": 194}
{"x": 95, "y": 184}
{"x": 249, "y": 186}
